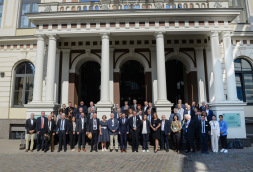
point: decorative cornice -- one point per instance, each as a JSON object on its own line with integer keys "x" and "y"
{"x": 105, "y": 35}
{"x": 159, "y": 34}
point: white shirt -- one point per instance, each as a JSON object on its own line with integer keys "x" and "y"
{"x": 189, "y": 112}
{"x": 207, "y": 111}
{"x": 112, "y": 122}
{"x": 49, "y": 125}
{"x": 32, "y": 121}
{"x": 144, "y": 128}
{"x": 82, "y": 123}
{"x": 163, "y": 123}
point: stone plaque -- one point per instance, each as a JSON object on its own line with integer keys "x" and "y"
{"x": 233, "y": 119}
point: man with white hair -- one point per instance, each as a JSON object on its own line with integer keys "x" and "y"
{"x": 30, "y": 132}
{"x": 113, "y": 126}
{"x": 180, "y": 111}
{"x": 203, "y": 107}
{"x": 189, "y": 133}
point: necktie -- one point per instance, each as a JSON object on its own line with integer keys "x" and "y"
{"x": 42, "y": 123}
{"x": 203, "y": 130}
{"x": 134, "y": 122}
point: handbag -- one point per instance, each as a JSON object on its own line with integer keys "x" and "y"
{"x": 90, "y": 135}
{"x": 230, "y": 145}
{"x": 237, "y": 144}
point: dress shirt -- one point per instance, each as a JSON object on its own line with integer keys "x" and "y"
{"x": 113, "y": 122}
{"x": 49, "y": 125}
{"x": 124, "y": 120}
{"x": 74, "y": 126}
{"x": 82, "y": 123}
{"x": 94, "y": 124}
{"x": 31, "y": 121}
{"x": 149, "y": 117}
{"x": 203, "y": 127}
{"x": 163, "y": 123}
{"x": 144, "y": 128}
{"x": 134, "y": 122}
{"x": 62, "y": 124}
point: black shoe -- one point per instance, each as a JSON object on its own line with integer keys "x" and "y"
{"x": 43, "y": 149}
{"x": 38, "y": 150}
{"x": 193, "y": 151}
{"x": 133, "y": 150}
{"x": 96, "y": 150}
{"x": 167, "y": 150}
{"x": 65, "y": 150}
{"x": 58, "y": 151}
{"x": 186, "y": 151}
{"x": 110, "y": 150}
{"x": 116, "y": 150}
{"x": 91, "y": 150}
{"x": 161, "y": 149}
{"x": 136, "y": 150}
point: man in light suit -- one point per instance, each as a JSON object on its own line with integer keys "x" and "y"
{"x": 113, "y": 126}
{"x": 62, "y": 130}
{"x": 180, "y": 111}
{"x": 30, "y": 132}
{"x": 134, "y": 125}
{"x": 175, "y": 113}
{"x": 41, "y": 126}
{"x": 81, "y": 131}
{"x": 92, "y": 106}
{"x": 123, "y": 132}
{"x": 94, "y": 130}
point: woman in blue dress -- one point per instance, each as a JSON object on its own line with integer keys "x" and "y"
{"x": 104, "y": 135}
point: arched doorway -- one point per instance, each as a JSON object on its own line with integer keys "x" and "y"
{"x": 89, "y": 82}
{"x": 132, "y": 82}
{"x": 176, "y": 81}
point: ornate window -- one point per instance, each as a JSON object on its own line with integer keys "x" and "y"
{"x": 244, "y": 80}
{"x": 23, "y": 84}
{"x": 1, "y": 10}
{"x": 28, "y": 6}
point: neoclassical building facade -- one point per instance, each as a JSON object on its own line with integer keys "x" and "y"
{"x": 57, "y": 51}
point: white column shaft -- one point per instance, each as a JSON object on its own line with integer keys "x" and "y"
{"x": 229, "y": 64}
{"x": 217, "y": 68}
{"x": 51, "y": 69}
{"x": 65, "y": 76}
{"x": 38, "y": 76}
{"x": 161, "y": 72}
{"x": 105, "y": 62}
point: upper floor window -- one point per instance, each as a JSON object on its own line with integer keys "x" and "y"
{"x": 1, "y": 10}
{"x": 23, "y": 84}
{"x": 28, "y": 6}
{"x": 244, "y": 80}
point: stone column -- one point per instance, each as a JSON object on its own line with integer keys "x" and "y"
{"x": 229, "y": 65}
{"x": 65, "y": 76}
{"x": 104, "y": 106}
{"x": 51, "y": 69}
{"x": 38, "y": 76}
{"x": 217, "y": 68}
{"x": 163, "y": 106}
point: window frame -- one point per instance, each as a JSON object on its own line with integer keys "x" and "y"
{"x": 20, "y": 12}
{"x": 25, "y": 76}
{"x": 241, "y": 74}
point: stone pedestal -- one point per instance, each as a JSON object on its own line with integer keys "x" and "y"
{"x": 37, "y": 108}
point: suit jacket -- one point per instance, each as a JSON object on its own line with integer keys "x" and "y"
{"x": 131, "y": 124}
{"x": 145, "y": 111}
{"x": 167, "y": 126}
{"x": 85, "y": 110}
{"x": 115, "y": 115}
{"x": 134, "y": 108}
{"x": 29, "y": 126}
{"x": 65, "y": 125}
{"x": 153, "y": 110}
{"x": 191, "y": 128}
{"x": 202, "y": 108}
{"x": 90, "y": 128}
{"x": 147, "y": 126}
{"x": 70, "y": 127}
{"x": 207, "y": 127}
{"x": 172, "y": 115}
{"x": 209, "y": 115}
{"x": 88, "y": 117}
{"x": 114, "y": 127}
{"x": 68, "y": 109}
{"x": 38, "y": 124}
{"x": 123, "y": 128}
{"x": 53, "y": 127}
{"x": 79, "y": 125}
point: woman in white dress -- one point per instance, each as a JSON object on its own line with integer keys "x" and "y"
{"x": 215, "y": 133}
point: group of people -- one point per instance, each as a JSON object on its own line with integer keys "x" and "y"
{"x": 190, "y": 127}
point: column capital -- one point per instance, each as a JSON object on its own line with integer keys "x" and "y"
{"x": 214, "y": 34}
{"x": 65, "y": 51}
{"x": 53, "y": 37}
{"x": 159, "y": 34}
{"x": 105, "y": 35}
{"x": 40, "y": 37}
{"x": 226, "y": 34}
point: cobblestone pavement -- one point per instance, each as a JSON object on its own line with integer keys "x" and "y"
{"x": 12, "y": 159}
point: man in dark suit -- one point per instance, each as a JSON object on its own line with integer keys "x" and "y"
{"x": 30, "y": 127}
{"x": 189, "y": 134}
{"x": 115, "y": 108}
{"x": 149, "y": 115}
{"x": 203, "y": 107}
{"x": 69, "y": 107}
{"x": 85, "y": 109}
{"x": 145, "y": 107}
{"x": 203, "y": 128}
{"x": 175, "y": 113}
{"x": 62, "y": 130}
{"x": 209, "y": 113}
{"x": 81, "y": 131}
{"x": 113, "y": 127}
{"x": 41, "y": 127}
{"x": 117, "y": 113}
{"x": 180, "y": 102}
{"x": 134, "y": 124}
{"x": 151, "y": 108}
{"x": 165, "y": 132}
{"x": 123, "y": 132}
{"x": 197, "y": 119}
{"x": 51, "y": 131}
{"x": 90, "y": 116}
{"x": 125, "y": 107}
{"x": 94, "y": 130}
{"x": 134, "y": 105}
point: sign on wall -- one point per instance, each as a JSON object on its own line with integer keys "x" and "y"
{"x": 233, "y": 119}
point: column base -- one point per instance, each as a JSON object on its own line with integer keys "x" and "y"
{"x": 38, "y": 107}
{"x": 233, "y": 113}
{"x": 163, "y": 107}
{"x": 104, "y": 107}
